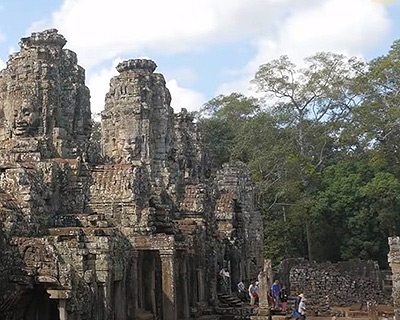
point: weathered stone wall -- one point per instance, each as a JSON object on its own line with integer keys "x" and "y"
{"x": 137, "y": 98}
{"x": 239, "y": 223}
{"x": 333, "y": 284}
{"x": 44, "y": 101}
{"x": 394, "y": 262}
{"x": 143, "y": 231}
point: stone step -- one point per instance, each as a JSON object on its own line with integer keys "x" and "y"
{"x": 279, "y": 317}
{"x": 145, "y": 315}
{"x": 357, "y": 314}
{"x": 208, "y": 317}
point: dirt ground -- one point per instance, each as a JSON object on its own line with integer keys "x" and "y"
{"x": 360, "y": 312}
{"x": 355, "y": 312}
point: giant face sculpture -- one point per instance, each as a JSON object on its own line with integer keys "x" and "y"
{"x": 23, "y": 118}
{"x": 26, "y": 119}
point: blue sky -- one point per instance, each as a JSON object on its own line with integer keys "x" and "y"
{"x": 203, "y": 47}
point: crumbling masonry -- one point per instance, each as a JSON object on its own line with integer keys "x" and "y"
{"x": 141, "y": 233}
{"x": 394, "y": 261}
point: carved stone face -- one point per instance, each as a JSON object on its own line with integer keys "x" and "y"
{"x": 25, "y": 119}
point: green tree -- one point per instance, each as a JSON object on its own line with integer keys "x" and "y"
{"x": 323, "y": 151}
{"x": 219, "y": 121}
{"x": 310, "y": 103}
{"x": 94, "y": 149}
{"x": 304, "y": 97}
{"x": 376, "y": 121}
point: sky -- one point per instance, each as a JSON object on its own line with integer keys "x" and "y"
{"x": 203, "y": 47}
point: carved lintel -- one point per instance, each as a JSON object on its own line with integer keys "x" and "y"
{"x": 59, "y": 294}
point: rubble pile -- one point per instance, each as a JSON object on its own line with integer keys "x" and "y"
{"x": 333, "y": 284}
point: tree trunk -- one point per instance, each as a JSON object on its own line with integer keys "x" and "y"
{"x": 308, "y": 240}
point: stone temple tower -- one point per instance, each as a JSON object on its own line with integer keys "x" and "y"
{"x": 44, "y": 102}
{"x": 137, "y": 122}
{"x": 140, "y": 234}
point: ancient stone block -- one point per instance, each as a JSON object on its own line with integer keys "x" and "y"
{"x": 145, "y": 228}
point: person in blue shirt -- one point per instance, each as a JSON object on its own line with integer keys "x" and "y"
{"x": 275, "y": 294}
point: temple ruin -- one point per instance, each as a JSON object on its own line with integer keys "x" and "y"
{"x": 394, "y": 261}
{"x": 139, "y": 234}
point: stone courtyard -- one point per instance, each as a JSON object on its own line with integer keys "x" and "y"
{"x": 139, "y": 232}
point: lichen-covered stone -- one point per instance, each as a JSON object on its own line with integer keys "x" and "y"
{"x": 394, "y": 262}
{"x": 44, "y": 102}
{"x": 146, "y": 229}
{"x": 327, "y": 284}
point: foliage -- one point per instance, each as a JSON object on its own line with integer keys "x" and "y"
{"x": 323, "y": 149}
{"x": 94, "y": 149}
{"x": 219, "y": 120}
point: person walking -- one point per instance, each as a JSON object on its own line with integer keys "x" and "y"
{"x": 253, "y": 292}
{"x": 241, "y": 290}
{"x": 296, "y": 315}
{"x": 302, "y": 308}
{"x": 275, "y": 294}
{"x": 283, "y": 296}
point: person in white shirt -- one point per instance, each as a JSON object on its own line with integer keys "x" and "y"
{"x": 302, "y": 307}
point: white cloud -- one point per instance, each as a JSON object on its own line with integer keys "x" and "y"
{"x": 12, "y": 50}
{"x": 183, "y": 75}
{"x": 101, "y": 30}
{"x": 184, "y": 97}
{"x": 340, "y": 26}
{"x": 2, "y": 64}
{"x": 98, "y": 83}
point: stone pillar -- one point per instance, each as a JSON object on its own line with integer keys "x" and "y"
{"x": 372, "y": 310}
{"x": 62, "y": 309}
{"x": 200, "y": 283}
{"x": 394, "y": 262}
{"x": 132, "y": 287}
{"x": 263, "y": 309}
{"x": 61, "y": 296}
{"x": 168, "y": 284}
{"x": 264, "y": 288}
{"x": 184, "y": 274}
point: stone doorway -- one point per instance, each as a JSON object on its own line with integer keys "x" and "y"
{"x": 182, "y": 294}
{"x": 39, "y": 306}
{"x": 149, "y": 285}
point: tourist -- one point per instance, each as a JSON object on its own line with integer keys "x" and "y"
{"x": 302, "y": 308}
{"x": 224, "y": 275}
{"x": 275, "y": 294}
{"x": 297, "y": 301}
{"x": 253, "y": 293}
{"x": 249, "y": 292}
{"x": 241, "y": 290}
{"x": 283, "y": 296}
{"x": 257, "y": 291}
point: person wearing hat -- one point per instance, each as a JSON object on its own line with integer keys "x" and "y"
{"x": 302, "y": 307}
{"x": 297, "y": 300}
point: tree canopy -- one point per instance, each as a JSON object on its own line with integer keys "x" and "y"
{"x": 323, "y": 148}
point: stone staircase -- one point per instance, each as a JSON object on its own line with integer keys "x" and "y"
{"x": 357, "y": 314}
{"x": 145, "y": 315}
{"x": 231, "y": 307}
